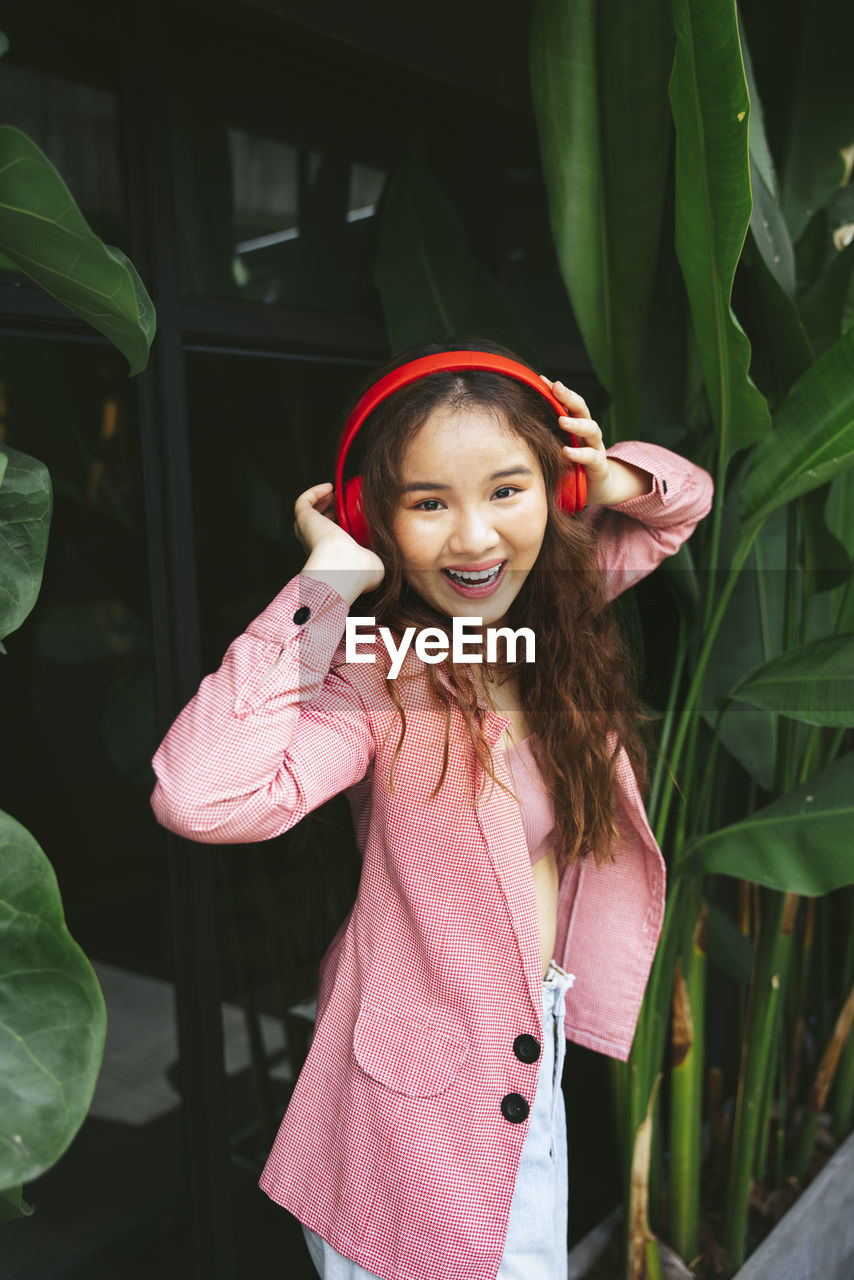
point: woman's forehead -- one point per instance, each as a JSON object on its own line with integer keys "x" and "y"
{"x": 451, "y": 434}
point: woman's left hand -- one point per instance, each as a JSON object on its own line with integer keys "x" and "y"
{"x": 590, "y": 453}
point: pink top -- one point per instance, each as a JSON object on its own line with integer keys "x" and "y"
{"x": 535, "y": 803}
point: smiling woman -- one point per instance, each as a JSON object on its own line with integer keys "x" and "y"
{"x": 426, "y": 1133}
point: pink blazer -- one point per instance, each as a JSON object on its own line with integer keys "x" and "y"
{"x": 394, "y": 1147}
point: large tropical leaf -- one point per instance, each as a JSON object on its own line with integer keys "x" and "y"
{"x": 52, "y": 1016}
{"x": 710, "y": 105}
{"x": 429, "y": 281}
{"x": 823, "y": 304}
{"x": 599, "y": 82}
{"x": 839, "y": 512}
{"x": 812, "y": 439}
{"x": 760, "y": 151}
{"x": 800, "y": 843}
{"x": 25, "y": 507}
{"x": 813, "y": 682}
{"x": 45, "y": 235}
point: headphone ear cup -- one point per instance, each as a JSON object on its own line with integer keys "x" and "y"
{"x": 573, "y": 489}
{"x": 354, "y": 512}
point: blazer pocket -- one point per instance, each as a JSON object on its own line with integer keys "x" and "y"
{"x": 418, "y": 1057}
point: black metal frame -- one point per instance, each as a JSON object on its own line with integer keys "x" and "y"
{"x": 233, "y": 327}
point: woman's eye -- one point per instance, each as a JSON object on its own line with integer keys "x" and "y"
{"x": 506, "y": 491}
{"x": 429, "y": 504}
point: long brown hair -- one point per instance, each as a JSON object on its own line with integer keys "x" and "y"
{"x": 582, "y": 684}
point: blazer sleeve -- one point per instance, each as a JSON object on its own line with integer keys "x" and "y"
{"x": 635, "y": 536}
{"x": 273, "y": 733}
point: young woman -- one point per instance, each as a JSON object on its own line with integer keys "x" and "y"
{"x": 512, "y": 892}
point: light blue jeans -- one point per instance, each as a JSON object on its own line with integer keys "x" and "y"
{"x": 535, "y": 1247}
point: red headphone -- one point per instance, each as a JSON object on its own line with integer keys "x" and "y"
{"x": 348, "y": 498}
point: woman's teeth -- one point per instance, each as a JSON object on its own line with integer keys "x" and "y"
{"x": 481, "y": 576}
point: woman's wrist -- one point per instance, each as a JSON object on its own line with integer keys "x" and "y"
{"x": 625, "y": 481}
{"x": 349, "y": 582}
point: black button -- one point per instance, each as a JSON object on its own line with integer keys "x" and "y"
{"x": 302, "y": 615}
{"x": 526, "y": 1048}
{"x": 664, "y": 486}
{"x": 514, "y": 1108}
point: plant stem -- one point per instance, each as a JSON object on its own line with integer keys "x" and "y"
{"x": 686, "y": 1088}
{"x": 669, "y": 715}
{"x": 774, "y": 945}
{"x": 661, "y": 817}
{"x": 823, "y": 1080}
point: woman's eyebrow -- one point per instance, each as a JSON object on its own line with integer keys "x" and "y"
{"x": 521, "y": 470}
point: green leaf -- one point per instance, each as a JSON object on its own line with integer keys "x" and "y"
{"x": 429, "y": 282}
{"x": 783, "y": 348}
{"x": 25, "y": 508}
{"x": 800, "y": 843}
{"x": 13, "y": 1205}
{"x": 812, "y": 439}
{"x": 770, "y": 234}
{"x": 823, "y": 304}
{"x": 52, "y": 1016}
{"x": 4, "y": 43}
{"x": 813, "y": 682}
{"x": 822, "y": 554}
{"x": 599, "y": 83}
{"x": 840, "y": 519}
{"x": 45, "y": 235}
{"x": 710, "y": 105}
{"x": 760, "y": 152}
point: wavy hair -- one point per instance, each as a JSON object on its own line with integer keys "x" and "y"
{"x": 582, "y": 685}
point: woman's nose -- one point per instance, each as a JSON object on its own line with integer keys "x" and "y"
{"x": 474, "y": 533}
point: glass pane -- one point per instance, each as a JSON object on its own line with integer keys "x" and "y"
{"x": 286, "y": 218}
{"x": 64, "y": 97}
{"x": 77, "y": 691}
{"x": 262, "y": 431}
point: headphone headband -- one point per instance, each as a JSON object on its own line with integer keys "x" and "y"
{"x": 404, "y": 375}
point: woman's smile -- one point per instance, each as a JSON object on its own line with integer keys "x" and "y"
{"x": 472, "y": 513}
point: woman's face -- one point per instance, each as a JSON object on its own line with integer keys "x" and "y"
{"x": 472, "y": 513}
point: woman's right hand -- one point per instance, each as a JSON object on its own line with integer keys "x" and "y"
{"x": 333, "y": 556}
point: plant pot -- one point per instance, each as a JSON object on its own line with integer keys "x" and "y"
{"x": 813, "y": 1241}
{"x": 816, "y": 1237}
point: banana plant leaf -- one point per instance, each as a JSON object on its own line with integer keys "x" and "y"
{"x": 824, "y": 556}
{"x": 760, "y": 151}
{"x": 45, "y": 235}
{"x": 429, "y": 281}
{"x": 599, "y": 82}
{"x": 812, "y": 439}
{"x": 710, "y": 105}
{"x": 813, "y": 682}
{"x": 770, "y": 233}
{"x": 823, "y": 304}
{"x": 52, "y": 1016}
{"x": 800, "y": 843}
{"x": 783, "y": 351}
{"x": 839, "y": 512}
{"x": 25, "y": 509}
